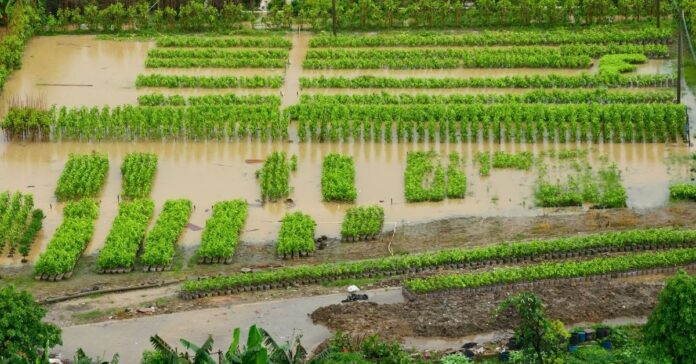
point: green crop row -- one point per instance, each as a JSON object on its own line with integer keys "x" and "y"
{"x": 158, "y": 99}
{"x": 126, "y": 235}
{"x": 83, "y": 176}
{"x": 456, "y": 178}
{"x": 602, "y": 189}
{"x": 338, "y": 178}
{"x": 502, "y": 160}
{"x": 683, "y": 191}
{"x": 221, "y": 233}
{"x": 143, "y": 122}
{"x": 224, "y": 42}
{"x": 592, "y": 267}
{"x": 69, "y": 240}
{"x": 500, "y": 122}
{"x": 620, "y": 63}
{"x": 274, "y": 177}
{"x": 362, "y": 222}
{"x": 401, "y": 264}
{"x": 260, "y": 62}
{"x": 593, "y": 35}
{"x": 226, "y": 53}
{"x": 598, "y": 50}
{"x": 296, "y": 236}
{"x": 19, "y": 222}
{"x": 21, "y": 20}
{"x": 584, "y": 80}
{"x": 424, "y": 179}
{"x": 159, "y": 247}
{"x": 138, "y": 171}
{"x": 602, "y": 96}
{"x": 538, "y": 57}
{"x": 183, "y": 81}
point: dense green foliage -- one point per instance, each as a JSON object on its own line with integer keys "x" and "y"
{"x": 23, "y": 20}
{"x": 222, "y": 230}
{"x": 138, "y": 171}
{"x": 22, "y": 332}
{"x": 584, "y": 80}
{"x": 296, "y": 236}
{"x": 20, "y": 222}
{"x": 224, "y": 42}
{"x": 260, "y": 348}
{"x": 607, "y": 34}
{"x": 362, "y": 222}
{"x": 506, "y": 251}
{"x": 504, "y": 160}
{"x": 159, "y": 246}
{"x": 571, "y": 269}
{"x": 424, "y": 179}
{"x": 274, "y": 177}
{"x": 130, "y": 122}
{"x": 542, "y": 340}
{"x": 159, "y": 99}
{"x": 511, "y": 122}
{"x": 216, "y": 58}
{"x": 338, "y": 178}
{"x": 126, "y": 235}
{"x": 670, "y": 327}
{"x": 516, "y": 57}
{"x": 456, "y": 178}
{"x": 602, "y": 189}
{"x": 69, "y": 240}
{"x": 683, "y": 191}
{"x": 141, "y": 16}
{"x": 83, "y": 176}
{"x": 183, "y": 81}
{"x": 599, "y": 95}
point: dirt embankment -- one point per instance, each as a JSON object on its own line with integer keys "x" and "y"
{"x": 459, "y": 315}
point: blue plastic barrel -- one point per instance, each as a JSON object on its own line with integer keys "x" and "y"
{"x": 606, "y": 344}
{"x": 581, "y": 336}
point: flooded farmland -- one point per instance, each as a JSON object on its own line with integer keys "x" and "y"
{"x": 85, "y": 71}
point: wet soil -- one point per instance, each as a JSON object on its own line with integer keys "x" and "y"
{"x": 459, "y": 315}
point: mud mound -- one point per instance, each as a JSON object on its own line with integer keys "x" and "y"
{"x": 461, "y": 315}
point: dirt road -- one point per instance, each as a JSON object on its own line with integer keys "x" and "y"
{"x": 282, "y": 319}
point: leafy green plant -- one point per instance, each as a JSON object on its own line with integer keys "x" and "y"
{"x": 670, "y": 327}
{"x": 274, "y": 177}
{"x": 602, "y": 189}
{"x": 159, "y": 246}
{"x": 20, "y": 222}
{"x": 456, "y": 178}
{"x": 158, "y": 99}
{"x": 683, "y": 191}
{"x": 222, "y": 230}
{"x": 69, "y": 240}
{"x": 423, "y": 179}
{"x": 183, "y": 81}
{"x": 590, "y": 35}
{"x": 530, "y": 273}
{"x": 338, "y": 178}
{"x": 402, "y": 264}
{"x": 138, "y": 171}
{"x": 126, "y": 236}
{"x": 504, "y": 160}
{"x": 362, "y": 222}
{"x": 224, "y": 42}
{"x": 296, "y": 236}
{"x": 83, "y": 176}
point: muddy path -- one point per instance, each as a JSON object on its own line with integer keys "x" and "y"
{"x": 459, "y": 315}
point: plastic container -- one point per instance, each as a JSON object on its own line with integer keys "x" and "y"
{"x": 607, "y": 344}
{"x": 581, "y": 336}
{"x": 504, "y": 356}
{"x": 572, "y": 348}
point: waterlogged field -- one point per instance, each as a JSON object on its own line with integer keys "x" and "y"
{"x": 210, "y": 111}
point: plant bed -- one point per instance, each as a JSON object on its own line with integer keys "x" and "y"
{"x": 83, "y": 176}
{"x": 125, "y": 237}
{"x": 20, "y": 222}
{"x": 362, "y": 223}
{"x": 68, "y": 242}
{"x": 296, "y": 236}
{"x": 159, "y": 246}
{"x": 524, "y": 251}
{"x": 138, "y": 171}
{"x": 338, "y": 178}
{"x": 222, "y": 230}
{"x": 555, "y": 273}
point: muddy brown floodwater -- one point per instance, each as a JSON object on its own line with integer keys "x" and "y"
{"x": 99, "y": 72}
{"x": 211, "y": 172}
